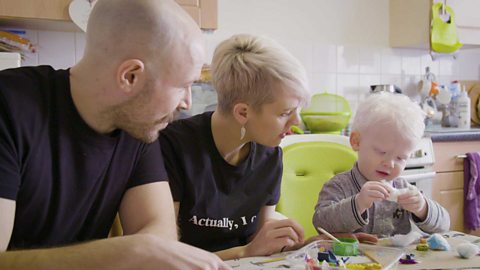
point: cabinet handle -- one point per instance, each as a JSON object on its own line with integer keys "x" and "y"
{"x": 461, "y": 157}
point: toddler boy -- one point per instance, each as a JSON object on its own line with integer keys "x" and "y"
{"x": 371, "y": 197}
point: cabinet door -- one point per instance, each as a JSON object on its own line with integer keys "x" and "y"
{"x": 466, "y": 12}
{"x": 410, "y": 22}
{"x": 204, "y": 12}
{"x": 467, "y": 20}
{"x": 38, "y": 9}
{"x": 448, "y": 154}
{"x": 48, "y": 14}
{"x": 447, "y": 190}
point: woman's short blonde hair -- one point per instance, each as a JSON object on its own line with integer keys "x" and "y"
{"x": 248, "y": 69}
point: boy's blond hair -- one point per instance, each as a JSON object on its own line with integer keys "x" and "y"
{"x": 245, "y": 68}
{"x": 383, "y": 108}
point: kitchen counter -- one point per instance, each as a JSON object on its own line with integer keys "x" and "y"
{"x": 442, "y": 134}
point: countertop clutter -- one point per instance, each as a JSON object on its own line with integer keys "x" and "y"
{"x": 443, "y": 134}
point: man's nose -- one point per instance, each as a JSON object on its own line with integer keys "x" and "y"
{"x": 186, "y": 101}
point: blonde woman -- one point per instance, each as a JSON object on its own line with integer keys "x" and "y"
{"x": 225, "y": 167}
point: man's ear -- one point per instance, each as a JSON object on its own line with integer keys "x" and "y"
{"x": 240, "y": 113}
{"x": 355, "y": 140}
{"x": 130, "y": 74}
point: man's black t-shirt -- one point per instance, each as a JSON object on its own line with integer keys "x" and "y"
{"x": 67, "y": 180}
{"x": 219, "y": 203}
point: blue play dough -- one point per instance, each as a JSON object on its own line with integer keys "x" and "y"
{"x": 438, "y": 242}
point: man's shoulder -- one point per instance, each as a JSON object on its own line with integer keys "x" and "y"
{"x": 187, "y": 129}
{"x": 28, "y": 81}
{"x": 30, "y": 73}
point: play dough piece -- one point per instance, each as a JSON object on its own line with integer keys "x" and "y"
{"x": 394, "y": 192}
{"x": 467, "y": 250}
{"x": 438, "y": 242}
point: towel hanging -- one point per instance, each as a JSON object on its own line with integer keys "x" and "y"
{"x": 471, "y": 187}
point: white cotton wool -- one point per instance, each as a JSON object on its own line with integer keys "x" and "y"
{"x": 467, "y": 250}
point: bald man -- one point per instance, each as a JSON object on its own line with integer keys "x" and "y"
{"x": 74, "y": 146}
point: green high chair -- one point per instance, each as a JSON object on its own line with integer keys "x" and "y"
{"x": 309, "y": 161}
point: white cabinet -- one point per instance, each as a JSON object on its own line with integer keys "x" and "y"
{"x": 467, "y": 19}
{"x": 410, "y": 22}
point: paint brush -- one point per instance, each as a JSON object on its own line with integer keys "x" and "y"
{"x": 328, "y": 234}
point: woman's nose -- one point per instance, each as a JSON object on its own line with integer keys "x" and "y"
{"x": 295, "y": 118}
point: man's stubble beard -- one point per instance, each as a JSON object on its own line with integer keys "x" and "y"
{"x": 126, "y": 118}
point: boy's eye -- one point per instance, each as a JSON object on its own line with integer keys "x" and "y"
{"x": 380, "y": 151}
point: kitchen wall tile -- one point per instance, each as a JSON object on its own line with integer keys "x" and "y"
{"x": 411, "y": 61}
{"x": 324, "y": 58}
{"x": 347, "y": 59}
{"x": 391, "y": 61}
{"x": 369, "y": 60}
{"x": 426, "y": 61}
{"x": 56, "y": 49}
{"x": 409, "y": 85}
{"x": 391, "y": 79}
{"x": 448, "y": 67}
{"x": 469, "y": 65}
{"x": 79, "y": 45}
{"x": 301, "y": 50}
{"x": 323, "y": 82}
{"x": 348, "y": 87}
{"x": 211, "y": 42}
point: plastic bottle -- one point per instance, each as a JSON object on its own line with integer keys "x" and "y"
{"x": 463, "y": 109}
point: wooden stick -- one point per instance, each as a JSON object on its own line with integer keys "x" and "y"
{"x": 328, "y": 234}
{"x": 368, "y": 255}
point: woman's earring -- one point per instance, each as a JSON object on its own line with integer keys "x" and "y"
{"x": 242, "y": 133}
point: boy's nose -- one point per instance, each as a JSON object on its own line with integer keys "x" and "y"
{"x": 389, "y": 163}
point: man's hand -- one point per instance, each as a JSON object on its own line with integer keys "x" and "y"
{"x": 182, "y": 256}
{"x": 275, "y": 236}
{"x": 372, "y": 191}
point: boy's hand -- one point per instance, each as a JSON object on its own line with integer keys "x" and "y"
{"x": 275, "y": 236}
{"x": 414, "y": 202}
{"x": 372, "y": 191}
